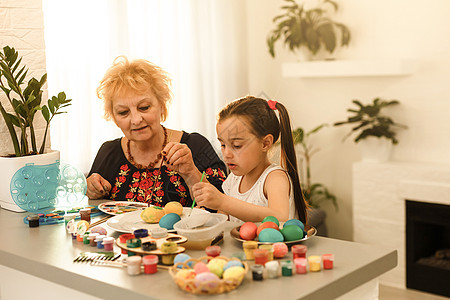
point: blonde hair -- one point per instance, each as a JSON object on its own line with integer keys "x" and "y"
{"x": 136, "y": 76}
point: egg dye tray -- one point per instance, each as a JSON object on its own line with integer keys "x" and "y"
{"x": 57, "y": 216}
{"x": 171, "y": 237}
{"x": 37, "y": 187}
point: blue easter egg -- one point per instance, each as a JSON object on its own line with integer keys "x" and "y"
{"x": 233, "y": 263}
{"x": 182, "y": 257}
{"x": 295, "y": 222}
{"x": 270, "y": 235}
{"x": 168, "y": 220}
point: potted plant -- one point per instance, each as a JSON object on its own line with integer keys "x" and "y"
{"x": 24, "y": 101}
{"x": 314, "y": 193}
{"x": 311, "y": 29}
{"x": 371, "y": 127}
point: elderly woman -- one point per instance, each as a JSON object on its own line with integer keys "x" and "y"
{"x": 151, "y": 163}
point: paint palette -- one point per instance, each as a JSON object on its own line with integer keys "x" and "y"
{"x": 171, "y": 237}
{"x": 121, "y": 207}
{"x": 57, "y": 216}
{"x": 37, "y": 187}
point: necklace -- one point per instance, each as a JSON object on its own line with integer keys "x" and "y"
{"x": 152, "y": 164}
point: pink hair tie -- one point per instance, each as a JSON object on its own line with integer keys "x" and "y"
{"x": 272, "y": 104}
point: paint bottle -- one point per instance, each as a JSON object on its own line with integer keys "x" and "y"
{"x": 299, "y": 251}
{"x": 133, "y": 243}
{"x": 108, "y": 243}
{"x": 257, "y": 272}
{"x": 85, "y": 214}
{"x": 91, "y": 239}
{"x": 80, "y": 238}
{"x": 213, "y": 251}
{"x": 159, "y": 232}
{"x": 328, "y": 260}
{"x": 272, "y": 268}
{"x": 300, "y": 265}
{"x": 33, "y": 220}
{"x": 99, "y": 241}
{"x": 123, "y": 239}
{"x": 261, "y": 256}
{"x": 269, "y": 248}
{"x": 248, "y": 247}
{"x": 86, "y": 238}
{"x": 150, "y": 264}
{"x": 314, "y": 263}
{"x": 134, "y": 265}
{"x": 69, "y": 217}
{"x": 140, "y": 233}
{"x": 286, "y": 268}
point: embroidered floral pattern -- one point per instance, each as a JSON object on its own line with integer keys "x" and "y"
{"x": 139, "y": 185}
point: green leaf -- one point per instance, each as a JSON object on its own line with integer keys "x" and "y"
{"x": 45, "y": 113}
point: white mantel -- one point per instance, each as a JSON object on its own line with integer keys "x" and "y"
{"x": 379, "y": 193}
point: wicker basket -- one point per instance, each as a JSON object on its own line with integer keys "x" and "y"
{"x": 207, "y": 287}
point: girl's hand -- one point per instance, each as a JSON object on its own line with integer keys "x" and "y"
{"x": 178, "y": 157}
{"x": 97, "y": 186}
{"x": 207, "y": 195}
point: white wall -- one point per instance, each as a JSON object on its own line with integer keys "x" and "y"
{"x": 22, "y": 27}
{"x": 380, "y": 29}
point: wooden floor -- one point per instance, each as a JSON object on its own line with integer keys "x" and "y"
{"x": 391, "y": 293}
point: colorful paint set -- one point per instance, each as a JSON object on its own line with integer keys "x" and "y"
{"x": 58, "y": 216}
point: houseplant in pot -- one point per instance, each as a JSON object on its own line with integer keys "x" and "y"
{"x": 20, "y": 104}
{"x": 376, "y": 133}
{"x": 308, "y": 28}
{"x": 314, "y": 193}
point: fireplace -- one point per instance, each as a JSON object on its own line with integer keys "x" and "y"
{"x": 428, "y": 247}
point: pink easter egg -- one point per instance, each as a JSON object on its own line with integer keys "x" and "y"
{"x": 280, "y": 249}
{"x": 200, "y": 267}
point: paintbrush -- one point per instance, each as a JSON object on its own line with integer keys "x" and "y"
{"x": 193, "y": 201}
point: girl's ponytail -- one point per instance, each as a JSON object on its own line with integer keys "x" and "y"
{"x": 289, "y": 160}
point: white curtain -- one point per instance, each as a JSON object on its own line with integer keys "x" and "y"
{"x": 200, "y": 43}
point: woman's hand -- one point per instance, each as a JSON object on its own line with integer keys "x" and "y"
{"x": 178, "y": 157}
{"x": 207, "y": 195}
{"x": 97, "y": 186}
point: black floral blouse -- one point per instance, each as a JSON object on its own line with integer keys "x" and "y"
{"x": 156, "y": 186}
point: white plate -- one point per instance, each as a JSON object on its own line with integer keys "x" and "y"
{"x": 120, "y": 207}
{"x": 129, "y": 222}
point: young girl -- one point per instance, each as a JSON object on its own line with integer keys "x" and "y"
{"x": 256, "y": 188}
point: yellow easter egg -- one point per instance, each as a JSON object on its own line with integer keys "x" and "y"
{"x": 152, "y": 214}
{"x": 173, "y": 207}
{"x": 234, "y": 273}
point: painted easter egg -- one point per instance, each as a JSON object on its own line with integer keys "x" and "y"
{"x": 248, "y": 231}
{"x": 234, "y": 273}
{"x": 271, "y": 219}
{"x": 216, "y": 266}
{"x": 270, "y": 235}
{"x": 99, "y": 230}
{"x": 292, "y": 233}
{"x": 200, "y": 267}
{"x": 168, "y": 220}
{"x": 232, "y": 263}
{"x": 207, "y": 281}
{"x": 182, "y": 257}
{"x": 280, "y": 250}
{"x": 152, "y": 214}
{"x": 268, "y": 224}
{"x": 173, "y": 207}
{"x": 185, "y": 274}
{"x": 295, "y": 222}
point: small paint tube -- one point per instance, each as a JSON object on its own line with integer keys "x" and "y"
{"x": 140, "y": 233}
{"x": 213, "y": 251}
{"x": 108, "y": 243}
{"x": 123, "y": 239}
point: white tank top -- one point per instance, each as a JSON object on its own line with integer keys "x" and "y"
{"x": 255, "y": 195}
